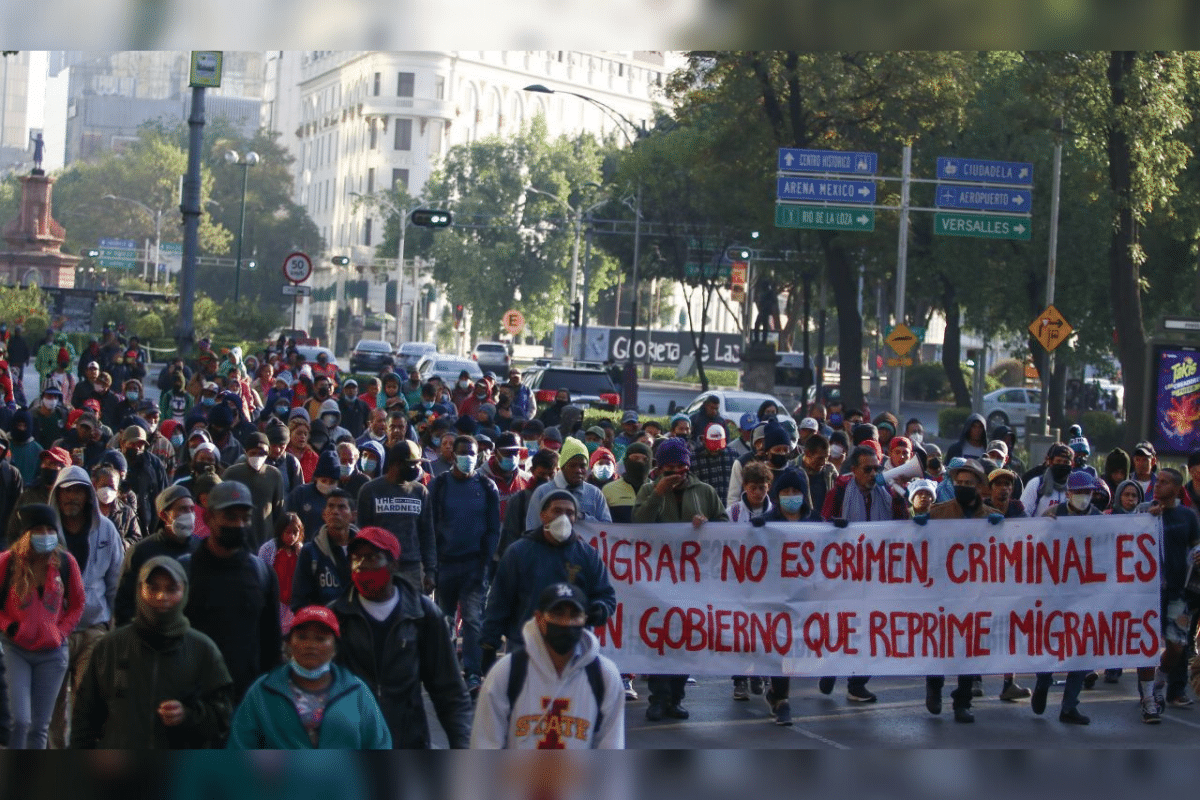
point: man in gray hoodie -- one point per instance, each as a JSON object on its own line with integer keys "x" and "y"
{"x": 93, "y": 540}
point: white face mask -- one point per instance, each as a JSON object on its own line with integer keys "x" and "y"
{"x": 560, "y": 528}
{"x": 1079, "y": 502}
{"x": 183, "y": 525}
{"x": 50, "y": 402}
{"x": 464, "y": 384}
{"x": 604, "y": 472}
{"x": 836, "y": 451}
{"x": 256, "y": 462}
{"x": 326, "y": 488}
{"x": 106, "y": 494}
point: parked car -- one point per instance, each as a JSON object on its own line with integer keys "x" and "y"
{"x": 370, "y": 355}
{"x": 589, "y": 386}
{"x": 734, "y": 404}
{"x": 447, "y": 368}
{"x": 494, "y": 356}
{"x": 409, "y": 354}
{"x": 1010, "y": 405}
{"x": 299, "y": 334}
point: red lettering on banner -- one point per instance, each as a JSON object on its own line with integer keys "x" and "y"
{"x": 688, "y": 553}
{"x": 1023, "y": 562}
{"x": 743, "y": 563}
{"x": 641, "y": 552}
{"x": 695, "y": 629}
{"x": 613, "y": 629}
{"x": 1146, "y": 544}
{"x": 824, "y": 635}
{"x": 908, "y": 634}
{"x": 788, "y": 555}
{"x": 882, "y": 562}
{"x": 741, "y": 634}
{"x": 1123, "y": 555}
{"x": 1066, "y": 634}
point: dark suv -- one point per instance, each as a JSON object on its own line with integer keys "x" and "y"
{"x": 369, "y": 355}
{"x": 588, "y": 386}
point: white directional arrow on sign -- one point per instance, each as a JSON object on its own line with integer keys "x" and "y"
{"x": 864, "y": 191}
{"x": 789, "y": 159}
{"x": 1024, "y": 173}
{"x": 1018, "y": 200}
{"x": 1019, "y": 228}
{"x": 863, "y": 219}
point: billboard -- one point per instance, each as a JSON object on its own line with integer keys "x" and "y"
{"x": 1175, "y": 410}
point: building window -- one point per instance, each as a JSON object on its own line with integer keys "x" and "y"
{"x": 403, "y": 134}
{"x": 370, "y": 180}
{"x": 371, "y": 127}
{"x": 400, "y": 179}
{"x": 439, "y": 88}
{"x": 378, "y": 78}
{"x": 404, "y": 84}
{"x": 367, "y": 232}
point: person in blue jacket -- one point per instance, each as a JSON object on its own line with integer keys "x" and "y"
{"x": 310, "y": 702}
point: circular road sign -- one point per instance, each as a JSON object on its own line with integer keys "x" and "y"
{"x": 514, "y": 321}
{"x": 297, "y": 267}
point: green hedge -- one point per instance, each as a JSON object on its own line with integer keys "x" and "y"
{"x": 1103, "y": 433}
{"x": 951, "y": 421}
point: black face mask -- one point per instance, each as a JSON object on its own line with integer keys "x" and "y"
{"x": 965, "y": 495}
{"x": 635, "y": 472}
{"x": 777, "y": 460}
{"x": 409, "y": 472}
{"x": 134, "y": 457}
{"x": 562, "y": 639}
{"x": 20, "y": 435}
{"x": 318, "y": 442}
{"x": 1059, "y": 472}
{"x": 47, "y": 475}
{"x": 218, "y": 433}
{"x": 231, "y": 537}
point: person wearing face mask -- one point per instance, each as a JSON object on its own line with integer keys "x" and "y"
{"x": 349, "y": 476}
{"x": 712, "y": 461}
{"x": 531, "y": 437}
{"x": 560, "y": 668}
{"x": 106, "y": 480}
{"x": 621, "y": 493}
{"x": 572, "y": 476}
{"x": 354, "y": 412}
{"x": 25, "y": 452}
{"x": 1050, "y": 488}
{"x": 322, "y": 391}
{"x": 155, "y": 683}
{"x": 674, "y": 496}
{"x": 331, "y": 416}
{"x": 602, "y": 468}
{"x": 399, "y": 503}
{"x": 310, "y": 702}
{"x": 552, "y": 414}
{"x": 504, "y": 468}
{"x": 82, "y": 439}
{"x": 395, "y": 639}
{"x": 41, "y": 601}
{"x": 308, "y": 499}
{"x": 463, "y": 388}
{"x": 38, "y": 491}
{"x": 132, "y": 401}
{"x": 146, "y": 476}
{"x": 49, "y": 417}
{"x": 282, "y": 554}
{"x": 173, "y": 536}
{"x": 549, "y": 554}
{"x": 466, "y": 522}
{"x": 478, "y": 397}
{"x": 299, "y": 431}
{"x": 233, "y": 596}
{"x": 266, "y": 487}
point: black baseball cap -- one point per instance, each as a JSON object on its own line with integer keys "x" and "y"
{"x": 557, "y": 593}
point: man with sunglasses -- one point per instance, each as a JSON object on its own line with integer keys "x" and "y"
{"x": 865, "y": 497}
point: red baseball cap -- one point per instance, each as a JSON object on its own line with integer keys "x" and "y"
{"x": 318, "y": 614}
{"x": 380, "y": 538}
{"x": 56, "y": 454}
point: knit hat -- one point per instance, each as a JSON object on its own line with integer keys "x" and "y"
{"x": 117, "y": 459}
{"x": 256, "y": 439}
{"x": 571, "y": 448}
{"x": 1080, "y": 445}
{"x": 277, "y": 433}
{"x": 327, "y": 466}
{"x": 557, "y": 494}
{"x": 553, "y": 434}
{"x": 921, "y": 485}
{"x": 638, "y": 448}
{"x": 32, "y": 515}
{"x": 681, "y": 417}
{"x": 790, "y": 478}
{"x": 673, "y": 451}
{"x": 1079, "y": 481}
{"x": 598, "y": 453}
{"x": 774, "y": 435}
{"x": 168, "y": 496}
{"x": 379, "y": 538}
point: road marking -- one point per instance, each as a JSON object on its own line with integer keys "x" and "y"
{"x": 820, "y": 738}
{"x": 1181, "y": 721}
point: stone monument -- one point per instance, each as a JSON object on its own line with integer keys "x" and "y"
{"x": 34, "y": 253}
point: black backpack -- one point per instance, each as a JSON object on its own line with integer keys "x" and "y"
{"x": 519, "y": 667}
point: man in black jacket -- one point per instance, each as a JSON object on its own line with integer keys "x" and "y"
{"x": 146, "y": 476}
{"x": 395, "y": 639}
{"x": 177, "y": 516}
{"x": 233, "y": 596}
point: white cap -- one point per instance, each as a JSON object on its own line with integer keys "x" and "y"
{"x": 715, "y": 432}
{"x": 922, "y": 484}
{"x": 809, "y": 424}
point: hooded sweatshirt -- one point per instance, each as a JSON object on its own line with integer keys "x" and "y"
{"x": 568, "y": 697}
{"x": 335, "y": 431}
{"x": 1117, "y": 508}
{"x": 165, "y": 659}
{"x": 25, "y": 452}
{"x": 963, "y": 447}
{"x": 101, "y": 544}
{"x": 1116, "y": 461}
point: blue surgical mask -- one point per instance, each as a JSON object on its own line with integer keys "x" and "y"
{"x": 369, "y": 465}
{"x": 208, "y": 401}
{"x": 532, "y": 447}
{"x": 282, "y": 408}
{"x": 507, "y": 463}
{"x": 465, "y": 463}
{"x": 134, "y": 395}
{"x": 43, "y": 543}
{"x": 792, "y": 503}
{"x": 177, "y": 440}
{"x": 310, "y": 674}
{"x": 345, "y": 469}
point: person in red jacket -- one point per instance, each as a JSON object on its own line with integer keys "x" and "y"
{"x": 42, "y": 594}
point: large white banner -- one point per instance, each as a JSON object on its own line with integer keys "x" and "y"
{"x": 885, "y": 598}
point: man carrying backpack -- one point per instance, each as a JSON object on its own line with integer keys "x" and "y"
{"x": 558, "y": 693}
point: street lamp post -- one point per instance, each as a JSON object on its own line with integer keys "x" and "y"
{"x": 629, "y": 392}
{"x": 157, "y": 214}
{"x": 246, "y": 162}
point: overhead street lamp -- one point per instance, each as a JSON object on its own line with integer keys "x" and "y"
{"x": 156, "y": 214}
{"x": 245, "y": 162}
{"x": 629, "y": 389}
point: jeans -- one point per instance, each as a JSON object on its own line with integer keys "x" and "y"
{"x": 80, "y": 645}
{"x": 961, "y": 696}
{"x": 666, "y": 690}
{"x": 1071, "y": 690}
{"x": 34, "y": 678}
{"x": 460, "y": 587}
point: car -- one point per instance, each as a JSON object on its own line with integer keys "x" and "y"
{"x": 409, "y": 354}
{"x": 734, "y": 404}
{"x": 310, "y": 351}
{"x": 370, "y": 355}
{"x": 1010, "y": 406}
{"x": 494, "y": 356}
{"x": 447, "y": 368}
{"x": 589, "y": 386}
{"x": 299, "y": 334}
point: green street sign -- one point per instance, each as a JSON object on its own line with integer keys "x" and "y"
{"x": 984, "y": 226}
{"x": 830, "y": 218}
{"x": 114, "y": 252}
{"x": 692, "y": 270}
{"x": 116, "y": 263}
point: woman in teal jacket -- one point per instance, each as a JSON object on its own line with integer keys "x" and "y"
{"x": 310, "y": 702}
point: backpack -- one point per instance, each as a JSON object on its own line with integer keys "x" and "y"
{"x": 519, "y": 667}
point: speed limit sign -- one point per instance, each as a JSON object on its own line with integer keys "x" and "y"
{"x": 297, "y": 267}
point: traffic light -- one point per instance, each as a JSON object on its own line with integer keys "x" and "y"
{"x": 458, "y": 315}
{"x": 576, "y": 313}
{"x": 340, "y": 261}
{"x": 87, "y": 253}
{"x": 737, "y": 254}
{"x": 430, "y": 218}
{"x": 251, "y": 264}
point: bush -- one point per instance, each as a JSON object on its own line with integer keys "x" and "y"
{"x": 1009, "y": 372}
{"x": 951, "y": 421}
{"x": 926, "y": 382}
{"x": 148, "y": 327}
{"x": 1102, "y": 432}
{"x": 716, "y": 377}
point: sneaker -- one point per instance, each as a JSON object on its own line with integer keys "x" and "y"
{"x": 1150, "y": 713}
{"x": 1038, "y": 703}
{"x": 1112, "y": 676}
{"x": 977, "y": 687}
{"x": 1183, "y": 701}
{"x": 654, "y": 712}
{"x": 690, "y": 681}
{"x": 825, "y": 685}
{"x": 861, "y": 695}
{"x": 1089, "y": 680}
{"x": 756, "y": 686}
{"x": 676, "y": 711}
{"x": 783, "y": 712}
{"x": 1073, "y": 717}
{"x": 630, "y": 692}
{"x": 741, "y": 689}
{"x": 1012, "y": 692}
{"x": 1160, "y": 701}
{"x": 963, "y": 715}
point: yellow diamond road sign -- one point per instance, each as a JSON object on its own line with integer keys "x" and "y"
{"x": 1050, "y": 328}
{"x": 901, "y": 339}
